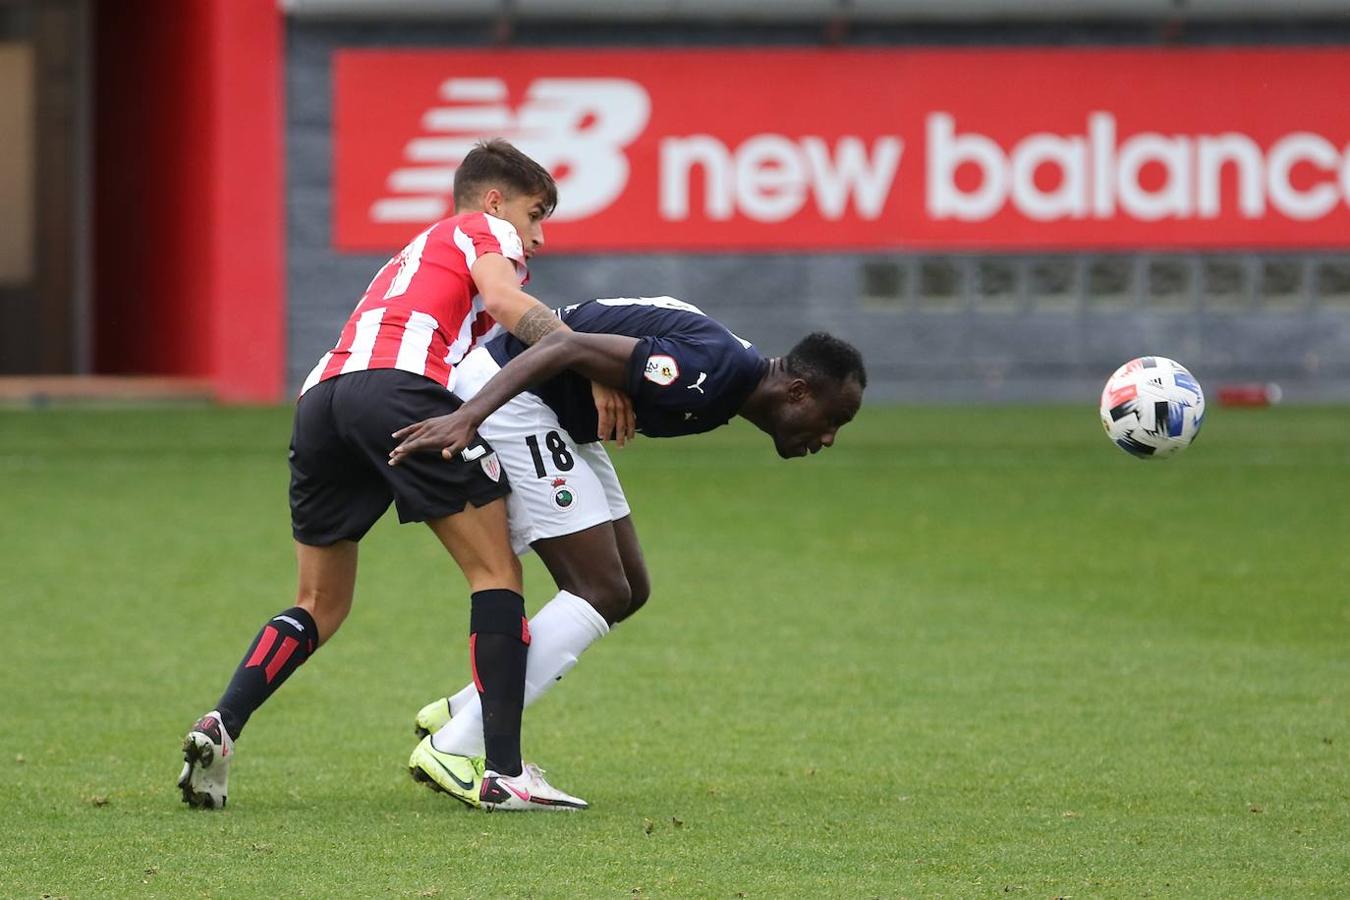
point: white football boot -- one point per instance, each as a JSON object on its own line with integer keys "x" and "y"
{"x": 207, "y": 753}
{"x": 527, "y": 791}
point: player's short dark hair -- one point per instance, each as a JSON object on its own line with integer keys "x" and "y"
{"x": 820, "y": 356}
{"x": 496, "y": 163}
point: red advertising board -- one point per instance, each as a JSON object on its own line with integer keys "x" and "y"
{"x": 717, "y": 150}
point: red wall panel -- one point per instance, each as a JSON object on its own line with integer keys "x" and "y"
{"x": 188, "y": 193}
{"x": 152, "y": 161}
{"x": 247, "y": 201}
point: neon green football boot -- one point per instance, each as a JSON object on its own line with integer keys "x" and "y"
{"x": 432, "y": 717}
{"x": 449, "y": 773}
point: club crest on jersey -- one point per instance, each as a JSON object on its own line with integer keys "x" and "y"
{"x": 492, "y": 467}
{"x": 563, "y": 496}
{"x": 661, "y": 369}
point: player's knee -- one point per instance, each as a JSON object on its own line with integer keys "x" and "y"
{"x": 610, "y": 597}
{"x": 489, "y": 574}
{"x": 639, "y": 589}
{"x": 327, "y": 609}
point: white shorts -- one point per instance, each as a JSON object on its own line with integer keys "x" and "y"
{"x": 557, "y": 486}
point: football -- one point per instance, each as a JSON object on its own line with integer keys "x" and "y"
{"x": 1152, "y": 407}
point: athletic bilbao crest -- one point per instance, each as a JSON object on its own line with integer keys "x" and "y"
{"x": 492, "y": 467}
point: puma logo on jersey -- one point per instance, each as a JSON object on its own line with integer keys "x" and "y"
{"x": 576, "y": 128}
{"x": 696, "y": 386}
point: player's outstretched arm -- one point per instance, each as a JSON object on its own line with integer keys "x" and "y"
{"x": 603, "y": 358}
{"x": 531, "y": 321}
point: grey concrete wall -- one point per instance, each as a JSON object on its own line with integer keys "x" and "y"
{"x": 954, "y": 343}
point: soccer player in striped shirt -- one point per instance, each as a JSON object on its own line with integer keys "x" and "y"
{"x": 456, "y": 284}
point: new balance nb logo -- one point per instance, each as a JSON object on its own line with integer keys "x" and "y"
{"x": 577, "y": 128}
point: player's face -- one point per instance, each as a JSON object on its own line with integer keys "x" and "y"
{"x": 809, "y": 420}
{"x": 524, "y": 211}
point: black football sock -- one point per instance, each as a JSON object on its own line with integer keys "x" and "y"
{"x": 284, "y": 643}
{"x": 499, "y": 640}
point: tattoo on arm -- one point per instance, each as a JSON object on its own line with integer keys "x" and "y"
{"x": 535, "y": 323}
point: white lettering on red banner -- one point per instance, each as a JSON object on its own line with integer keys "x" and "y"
{"x": 782, "y": 149}
{"x": 1098, "y": 177}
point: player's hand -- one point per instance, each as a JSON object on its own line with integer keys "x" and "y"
{"x": 448, "y": 434}
{"x": 615, "y": 411}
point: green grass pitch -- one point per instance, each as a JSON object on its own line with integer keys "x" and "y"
{"x": 965, "y": 653}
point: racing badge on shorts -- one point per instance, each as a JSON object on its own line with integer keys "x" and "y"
{"x": 563, "y": 498}
{"x": 492, "y": 468}
{"x": 661, "y": 369}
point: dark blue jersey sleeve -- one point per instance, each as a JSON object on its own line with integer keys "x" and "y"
{"x": 699, "y": 369}
{"x": 688, "y": 372}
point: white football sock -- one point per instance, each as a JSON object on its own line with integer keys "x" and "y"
{"x": 559, "y": 633}
{"x": 467, "y": 694}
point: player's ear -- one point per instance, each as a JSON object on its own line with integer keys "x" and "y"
{"x": 493, "y": 199}
{"x": 798, "y": 390}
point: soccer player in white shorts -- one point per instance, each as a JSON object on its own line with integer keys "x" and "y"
{"x": 685, "y": 374}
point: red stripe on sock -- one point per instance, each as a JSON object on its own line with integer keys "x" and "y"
{"x": 473, "y": 662}
{"x": 269, "y": 637}
{"x": 288, "y": 646}
{"x": 524, "y": 630}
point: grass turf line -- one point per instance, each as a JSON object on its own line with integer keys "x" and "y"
{"x": 966, "y": 651}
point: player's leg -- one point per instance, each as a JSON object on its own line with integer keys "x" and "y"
{"x": 559, "y": 632}
{"x": 285, "y": 642}
{"x": 561, "y": 506}
{"x": 625, "y": 534}
{"x": 557, "y": 494}
{"x": 499, "y": 640}
{"x": 515, "y": 442}
{"x": 461, "y": 500}
{"x": 334, "y": 501}
{"x": 587, "y": 564}
{"x": 327, "y": 580}
{"x": 634, "y": 566}
{"x": 552, "y": 622}
{"x": 499, "y": 636}
{"x": 327, "y": 584}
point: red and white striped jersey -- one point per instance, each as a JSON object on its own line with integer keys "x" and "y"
{"x": 422, "y": 312}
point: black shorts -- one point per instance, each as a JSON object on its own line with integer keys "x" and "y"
{"x": 341, "y": 480}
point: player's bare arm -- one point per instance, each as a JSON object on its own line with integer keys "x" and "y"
{"x": 603, "y": 358}
{"x": 614, "y": 408}
{"x": 531, "y": 321}
{"x": 536, "y": 323}
{"x": 496, "y": 279}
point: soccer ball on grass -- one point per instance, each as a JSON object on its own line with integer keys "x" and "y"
{"x": 1152, "y": 407}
